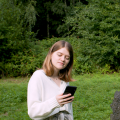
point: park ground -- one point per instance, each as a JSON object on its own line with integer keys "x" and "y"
{"x": 94, "y": 95}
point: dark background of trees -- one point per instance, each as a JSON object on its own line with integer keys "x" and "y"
{"x": 28, "y": 28}
{"x": 51, "y": 14}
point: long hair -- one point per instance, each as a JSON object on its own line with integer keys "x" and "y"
{"x": 64, "y": 74}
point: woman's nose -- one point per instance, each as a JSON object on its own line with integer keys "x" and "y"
{"x": 62, "y": 58}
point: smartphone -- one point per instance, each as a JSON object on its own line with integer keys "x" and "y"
{"x": 70, "y": 89}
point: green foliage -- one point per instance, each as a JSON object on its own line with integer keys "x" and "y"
{"x": 93, "y": 31}
{"x": 26, "y": 62}
{"x": 51, "y": 13}
{"x": 98, "y": 29}
{"x": 30, "y": 14}
{"x": 14, "y": 34}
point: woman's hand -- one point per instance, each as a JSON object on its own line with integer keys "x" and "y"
{"x": 64, "y": 99}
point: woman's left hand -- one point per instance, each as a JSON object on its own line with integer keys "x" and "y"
{"x": 64, "y": 99}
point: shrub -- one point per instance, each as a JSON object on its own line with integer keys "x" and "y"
{"x": 97, "y": 26}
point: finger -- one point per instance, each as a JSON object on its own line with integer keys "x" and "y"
{"x": 69, "y": 98}
{"x": 62, "y": 100}
{"x": 61, "y": 94}
{"x": 65, "y": 96}
{"x": 66, "y": 102}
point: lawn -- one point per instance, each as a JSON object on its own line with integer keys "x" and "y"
{"x": 92, "y": 101}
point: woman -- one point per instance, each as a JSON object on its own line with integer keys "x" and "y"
{"x": 45, "y": 97}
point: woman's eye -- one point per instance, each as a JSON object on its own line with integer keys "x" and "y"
{"x": 67, "y": 58}
{"x": 59, "y": 55}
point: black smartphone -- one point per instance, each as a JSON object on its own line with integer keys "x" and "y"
{"x": 70, "y": 89}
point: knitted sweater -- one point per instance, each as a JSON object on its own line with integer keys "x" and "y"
{"x": 41, "y": 96}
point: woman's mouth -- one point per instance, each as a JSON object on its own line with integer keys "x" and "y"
{"x": 61, "y": 63}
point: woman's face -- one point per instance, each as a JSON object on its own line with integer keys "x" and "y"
{"x": 60, "y": 58}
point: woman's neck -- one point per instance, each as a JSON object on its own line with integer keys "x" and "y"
{"x": 55, "y": 74}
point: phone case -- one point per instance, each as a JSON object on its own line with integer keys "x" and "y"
{"x": 70, "y": 89}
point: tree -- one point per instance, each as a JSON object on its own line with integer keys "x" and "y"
{"x": 97, "y": 26}
{"x": 30, "y": 14}
{"x": 50, "y": 15}
{"x": 15, "y": 29}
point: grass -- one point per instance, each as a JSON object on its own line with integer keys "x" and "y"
{"x": 92, "y": 101}
{"x": 94, "y": 95}
{"x": 13, "y": 99}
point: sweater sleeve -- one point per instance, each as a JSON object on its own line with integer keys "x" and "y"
{"x": 36, "y": 107}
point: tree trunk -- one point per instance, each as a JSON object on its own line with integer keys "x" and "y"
{"x": 48, "y": 34}
{"x": 65, "y": 3}
{"x": 66, "y": 15}
{"x": 73, "y": 2}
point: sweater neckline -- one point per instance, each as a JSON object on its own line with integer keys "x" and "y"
{"x": 53, "y": 80}
{"x": 55, "y": 83}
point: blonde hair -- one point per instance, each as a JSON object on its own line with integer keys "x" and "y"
{"x": 64, "y": 74}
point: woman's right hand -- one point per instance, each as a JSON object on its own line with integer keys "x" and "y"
{"x": 64, "y": 99}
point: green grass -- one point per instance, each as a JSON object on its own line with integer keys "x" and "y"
{"x": 92, "y": 101}
{"x": 13, "y": 104}
{"x": 94, "y": 95}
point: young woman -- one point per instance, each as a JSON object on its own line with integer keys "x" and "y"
{"x": 45, "y": 97}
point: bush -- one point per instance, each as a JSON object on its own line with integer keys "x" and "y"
{"x": 98, "y": 29}
{"x": 15, "y": 35}
{"x": 87, "y": 58}
{"x": 26, "y": 62}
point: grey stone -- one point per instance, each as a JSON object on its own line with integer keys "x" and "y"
{"x": 116, "y": 107}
